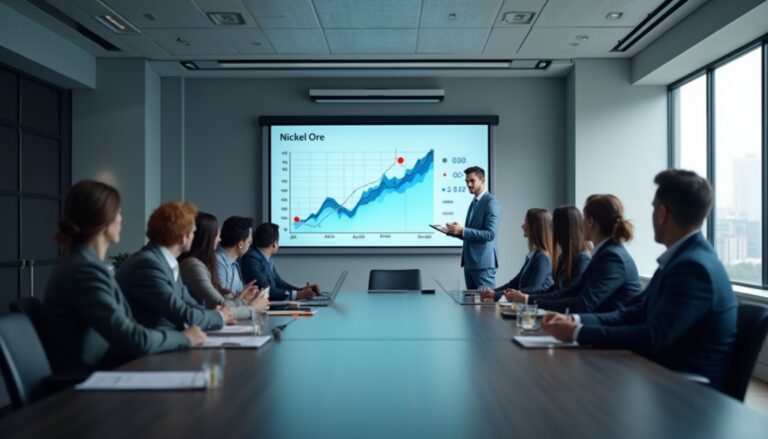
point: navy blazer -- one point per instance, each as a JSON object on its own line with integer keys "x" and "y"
{"x": 254, "y": 265}
{"x": 580, "y": 264}
{"x": 156, "y": 299}
{"x": 686, "y": 321}
{"x": 535, "y": 274}
{"x": 610, "y": 282}
{"x": 479, "y": 251}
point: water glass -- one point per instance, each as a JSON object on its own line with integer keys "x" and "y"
{"x": 527, "y": 315}
{"x": 259, "y": 321}
{"x": 214, "y": 362}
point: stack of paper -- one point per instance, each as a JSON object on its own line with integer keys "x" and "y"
{"x": 250, "y": 342}
{"x": 143, "y": 381}
{"x": 234, "y": 330}
{"x": 541, "y": 341}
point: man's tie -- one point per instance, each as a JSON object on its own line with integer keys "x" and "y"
{"x": 471, "y": 210}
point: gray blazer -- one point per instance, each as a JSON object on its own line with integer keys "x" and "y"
{"x": 87, "y": 323}
{"x": 156, "y": 299}
{"x": 480, "y": 232}
{"x": 197, "y": 279}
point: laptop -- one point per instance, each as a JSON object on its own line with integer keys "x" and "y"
{"x": 327, "y": 298}
{"x": 464, "y": 297}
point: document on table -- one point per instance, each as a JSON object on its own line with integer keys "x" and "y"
{"x": 143, "y": 381}
{"x": 234, "y": 330}
{"x": 291, "y": 312}
{"x": 252, "y": 342}
{"x": 542, "y": 342}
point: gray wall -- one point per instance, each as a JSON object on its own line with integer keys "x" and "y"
{"x": 223, "y": 157}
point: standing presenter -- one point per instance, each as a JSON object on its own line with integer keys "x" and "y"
{"x": 478, "y": 256}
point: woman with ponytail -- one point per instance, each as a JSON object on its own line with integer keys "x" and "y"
{"x": 87, "y": 323}
{"x": 610, "y": 281}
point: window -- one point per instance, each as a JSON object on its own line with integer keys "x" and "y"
{"x": 717, "y": 126}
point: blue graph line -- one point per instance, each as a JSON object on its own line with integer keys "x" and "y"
{"x": 386, "y": 184}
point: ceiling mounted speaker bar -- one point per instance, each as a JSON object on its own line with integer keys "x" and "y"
{"x": 382, "y": 64}
{"x": 375, "y": 96}
{"x": 650, "y": 22}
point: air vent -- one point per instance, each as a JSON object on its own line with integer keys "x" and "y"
{"x": 226, "y": 18}
{"x": 518, "y": 17}
{"x": 653, "y": 19}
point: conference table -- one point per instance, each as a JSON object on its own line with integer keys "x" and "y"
{"x": 400, "y": 366}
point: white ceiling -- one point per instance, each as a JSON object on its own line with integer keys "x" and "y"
{"x": 172, "y": 30}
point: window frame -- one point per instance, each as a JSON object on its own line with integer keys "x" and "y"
{"x": 673, "y": 151}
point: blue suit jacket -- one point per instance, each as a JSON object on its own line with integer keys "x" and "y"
{"x": 157, "y": 300}
{"x": 610, "y": 282}
{"x": 686, "y": 321}
{"x": 254, "y": 265}
{"x": 480, "y": 232}
{"x": 535, "y": 274}
{"x": 580, "y": 264}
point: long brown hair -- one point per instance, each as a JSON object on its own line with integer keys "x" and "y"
{"x": 204, "y": 244}
{"x": 608, "y": 213}
{"x": 539, "y": 230}
{"x": 90, "y": 206}
{"x": 567, "y": 239}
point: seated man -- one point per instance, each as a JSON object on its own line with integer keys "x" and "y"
{"x": 150, "y": 277}
{"x": 257, "y": 264}
{"x": 236, "y": 238}
{"x": 687, "y": 319}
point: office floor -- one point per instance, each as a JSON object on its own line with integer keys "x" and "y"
{"x": 757, "y": 395}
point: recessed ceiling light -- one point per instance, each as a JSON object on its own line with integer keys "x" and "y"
{"x": 226, "y": 18}
{"x": 518, "y": 17}
{"x": 116, "y": 24}
{"x": 582, "y": 37}
{"x": 614, "y": 15}
{"x": 452, "y": 16}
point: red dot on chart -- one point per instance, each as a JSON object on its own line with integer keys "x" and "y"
{"x": 295, "y": 219}
{"x": 445, "y": 174}
{"x": 400, "y": 160}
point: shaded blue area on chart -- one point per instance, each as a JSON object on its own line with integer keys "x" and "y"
{"x": 394, "y": 205}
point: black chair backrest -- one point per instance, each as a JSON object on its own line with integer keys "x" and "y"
{"x": 394, "y": 280}
{"x": 22, "y": 360}
{"x": 32, "y": 307}
{"x": 752, "y": 328}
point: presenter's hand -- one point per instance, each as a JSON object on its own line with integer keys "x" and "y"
{"x": 514, "y": 295}
{"x": 455, "y": 229}
{"x": 305, "y": 293}
{"x": 229, "y": 316}
{"x": 195, "y": 335}
{"x": 562, "y": 329}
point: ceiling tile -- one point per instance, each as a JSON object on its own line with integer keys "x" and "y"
{"x": 248, "y": 41}
{"x": 592, "y": 13}
{"x": 366, "y": 14}
{"x": 506, "y": 40}
{"x": 297, "y": 41}
{"x": 283, "y": 14}
{"x": 474, "y": 14}
{"x": 518, "y": 6}
{"x": 569, "y": 42}
{"x": 228, "y": 6}
{"x": 178, "y": 14}
{"x": 193, "y": 41}
{"x": 452, "y": 40}
{"x": 371, "y": 41}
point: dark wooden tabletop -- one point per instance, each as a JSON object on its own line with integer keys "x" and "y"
{"x": 401, "y": 366}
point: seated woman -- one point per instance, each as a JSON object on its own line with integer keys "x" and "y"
{"x": 87, "y": 323}
{"x": 196, "y": 266}
{"x": 572, "y": 252}
{"x": 610, "y": 281}
{"x": 536, "y": 272}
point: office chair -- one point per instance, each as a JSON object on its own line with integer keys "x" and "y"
{"x": 32, "y": 307}
{"x": 752, "y": 329}
{"x": 394, "y": 280}
{"x": 23, "y": 362}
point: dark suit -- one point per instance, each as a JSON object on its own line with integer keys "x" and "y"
{"x": 686, "y": 321}
{"x": 87, "y": 323}
{"x": 580, "y": 264}
{"x": 479, "y": 254}
{"x": 535, "y": 274}
{"x": 157, "y": 300}
{"x": 610, "y": 282}
{"x": 254, "y": 265}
